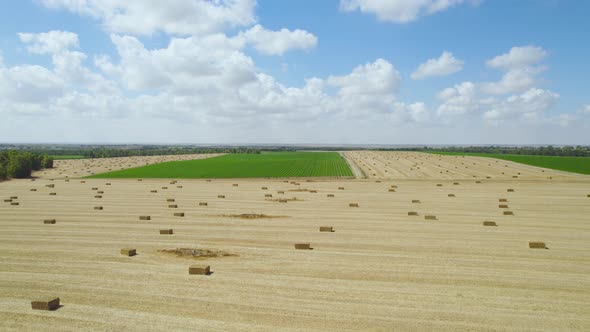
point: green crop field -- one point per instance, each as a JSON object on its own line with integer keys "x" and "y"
{"x": 272, "y": 164}
{"x": 569, "y": 164}
{"x": 67, "y": 157}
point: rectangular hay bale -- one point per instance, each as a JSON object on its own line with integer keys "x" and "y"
{"x": 128, "y": 252}
{"x": 173, "y": 206}
{"x": 326, "y": 228}
{"x": 508, "y": 213}
{"x": 412, "y": 213}
{"x": 537, "y": 245}
{"x": 489, "y": 223}
{"x": 167, "y": 231}
{"x": 49, "y": 221}
{"x": 430, "y": 217}
{"x": 220, "y": 196}
{"x": 303, "y": 246}
{"x": 203, "y": 204}
{"x": 179, "y": 214}
{"x": 199, "y": 269}
{"x": 353, "y": 205}
{"x": 503, "y": 206}
{"x": 145, "y": 218}
{"x": 49, "y": 303}
{"x": 98, "y": 207}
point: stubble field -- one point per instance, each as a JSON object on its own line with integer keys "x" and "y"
{"x": 381, "y": 269}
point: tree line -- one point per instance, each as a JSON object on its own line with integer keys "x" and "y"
{"x": 107, "y": 152}
{"x": 18, "y": 164}
{"x": 566, "y": 151}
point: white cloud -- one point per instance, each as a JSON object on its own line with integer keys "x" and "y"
{"x": 530, "y": 106}
{"x": 518, "y": 57}
{"x": 446, "y": 64}
{"x": 178, "y": 17}
{"x": 279, "y": 42}
{"x": 398, "y": 11}
{"x": 379, "y": 77}
{"x": 51, "y": 42}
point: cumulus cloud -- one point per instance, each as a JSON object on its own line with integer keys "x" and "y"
{"x": 379, "y": 77}
{"x": 278, "y": 42}
{"x": 179, "y": 17}
{"x": 51, "y": 42}
{"x": 398, "y": 11}
{"x": 446, "y": 64}
{"x": 518, "y": 57}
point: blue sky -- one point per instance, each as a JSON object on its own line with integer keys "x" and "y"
{"x": 341, "y": 71}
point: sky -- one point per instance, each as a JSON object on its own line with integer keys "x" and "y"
{"x": 295, "y": 72}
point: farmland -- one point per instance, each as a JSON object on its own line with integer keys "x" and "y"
{"x": 411, "y": 246}
{"x": 562, "y": 163}
{"x": 273, "y": 164}
{"x": 66, "y": 157}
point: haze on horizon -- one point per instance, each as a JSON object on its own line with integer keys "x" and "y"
{"x": 329, "y": 72}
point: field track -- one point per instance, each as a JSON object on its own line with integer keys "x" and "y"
{"x": 380, "y": 270}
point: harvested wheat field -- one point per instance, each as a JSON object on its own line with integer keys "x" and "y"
{"x": 419, "y": 165}
{"x": 382, "y": 269}
{"x": 76, "y": 168}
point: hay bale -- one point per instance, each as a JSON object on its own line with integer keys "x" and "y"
{"x": 330, "y": 195}
{"x": 503, "y": 206}
{"x": 508, "y": 213}
{"x": 170, "y": 200}
{"x": 199, "y": 269}
{"x": 128, "y": 252}
{"x": 303, "y": 246}
{"x": 164, "y": 187}
{"x": 280, "y": 192}
{"x": 264, "y": 188}
{"x": 415, "y": 201}
{"x": 179, "y": 214}
{"x": 439, "y": 185}
{"x": 537, "y": 245}
{"x": 166, "y": 231}
{"x": 139, "y": 180}
{"x": 13, "y": 197}
{"x": 203, "y": 204}
{"x": 477, "y": 181}
{"x": 268, "y": 195}
{"x": 235, "y": 184}
{"x": 353, "y": 205}
{"x": 489, "y": 223}
{"x": 451, "y": 195}
{"x": 430, "y": 217}
{"x": 173, "y": 206}
{"x": 98, "y": 196}
{"x": 98, "y": 207}
{"x": 501, "y": 200}
{"x": 393, "y": 186}
{"x": 391, "y": 190}
{"x": 108, "y": 183}
{"x": 82, "y": 181}
{"x": 510, "y": 190}
{"x": 456, "y": 183}
{"x": 412, "y": 213}
{"x": 220, "y": 196}
{"x": 52, "y": 194}
{"x": 100, "y": 192}
{"x": 153, "y": 191}
{"x": 33, "y": 189}
{"x": 7, "y": 200}
{"x": 326, "y": 228}
{"x": 49, "y": 303}
{"x": 94, "y": 188}
{"x": 340, "y": 188}
{"x": 179, "y": 187}
{"x": 49, "y": 221}
{"x": 145, "y": 218}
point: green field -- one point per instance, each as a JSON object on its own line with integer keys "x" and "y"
{"x": 67, "y": 157}
{"x": 272, "y": 164}
{"x": 569, "y": 164}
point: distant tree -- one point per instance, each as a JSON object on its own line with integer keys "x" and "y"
{"x": 3, "y": 174}
{"x": 47, "y": 162}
